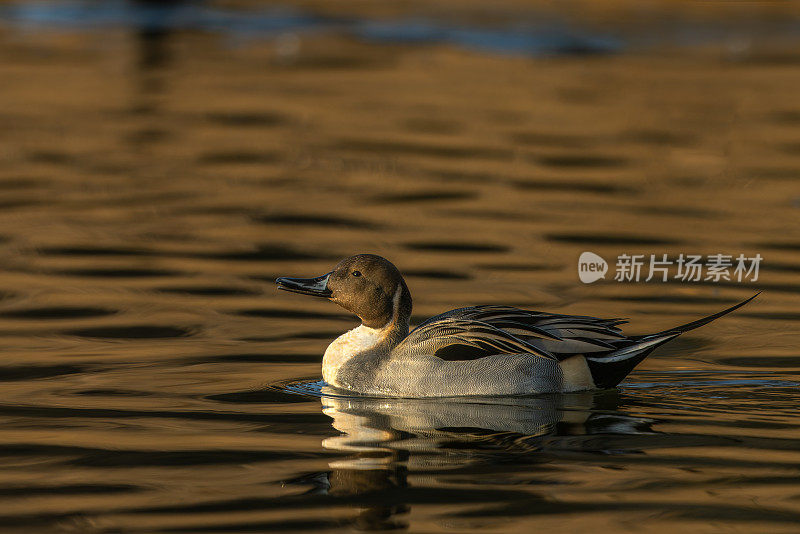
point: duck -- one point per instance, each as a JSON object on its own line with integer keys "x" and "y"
{"x": 485, "y": 350}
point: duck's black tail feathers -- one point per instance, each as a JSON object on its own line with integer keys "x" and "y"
{"x": 610, "y": 368}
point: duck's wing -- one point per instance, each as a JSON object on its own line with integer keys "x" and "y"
{"x": 451, "y": 338}
{"x": 560, "y": 335}
{"x": 609, "y": 354}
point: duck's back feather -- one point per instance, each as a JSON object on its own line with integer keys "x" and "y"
{"x": 464, "y": 332}
{"x": 451, "y": 339}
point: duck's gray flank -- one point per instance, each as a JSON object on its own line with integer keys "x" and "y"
{"x": 478, "y": 350}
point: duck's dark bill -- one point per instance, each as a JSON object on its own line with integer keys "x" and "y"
{"x": 317, "y": 287}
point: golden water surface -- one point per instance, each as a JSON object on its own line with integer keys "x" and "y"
{"x": 155, "y": 177}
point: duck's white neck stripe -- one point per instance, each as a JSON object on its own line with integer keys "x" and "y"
{"x": 395, "y": 305}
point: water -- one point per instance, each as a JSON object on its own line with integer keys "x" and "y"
{"x": 160, "y": 166}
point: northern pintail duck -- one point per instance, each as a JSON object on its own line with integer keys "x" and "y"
{"x": 479, "y": 350}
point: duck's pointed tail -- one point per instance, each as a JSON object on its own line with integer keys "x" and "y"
{"x": 610, "y": 368}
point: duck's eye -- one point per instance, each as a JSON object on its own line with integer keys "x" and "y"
{"x": 356, "y": 273}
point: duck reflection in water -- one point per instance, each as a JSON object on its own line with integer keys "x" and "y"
{"x": 401, "y": 451}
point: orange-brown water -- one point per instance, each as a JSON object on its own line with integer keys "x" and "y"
{"x": 156, "y": 178}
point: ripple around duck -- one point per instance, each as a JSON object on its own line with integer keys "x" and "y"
{"x": 247, "y": 119}
{"x": 449, "y": 246}
{"x": 659, "y": 138}
{"x": 66, "y": 489}
{"x": 300, "y": 335}
{"x": 434, "y": 126}
{"x": 53, "y": 157}
{"x": 62, "y": 413}
{"x": 672, "y": 299}
{"x": 209, "y": 291}
{"x": 790, "y": 148}
{"x": 781, "y": 267}
{"x": 490, "y": 214}
{"x": 577, "y": 161}
{"x": 317, "y": 220}
{"x": 113, "y": 393}
{"x": 96, "y": 457}
{"x": 85, "y": 250}
{"x": 17, "y": 204}
{"x": 310, "y": 388}
{"x": 748, "y": 381}
{"x": 422, "y": 196}
{"x": 269, "y": 395}
{"x": 787, "y": 116}
{"x": 522, "y": 267}
{"x": 783, "y": 362}
{"x": 257, "y": 358}
{"x": 752, "y": 287}
{"x": 56, "y": 312}
{"x": 126, "y": 272}
{"x": 575, "y": 187}
{"x": 435, "y": 274}
{"x": 555, "y": 140}
{"x": 149, "y": 135}
{"x": 779, "y": 245}
{"x": 280, "y": 525}
{"x": 424, "y": 149}
{"x": 601, "y": 239}
{"x": 131, "y": 332}
{"x": 291, "y": 314}
{"x": 12, "y": 184}
{"x": 267, "y": 252}
{"x": 33, "y": 372}
{"x": 772, "y": 316}
{"x": 239, "y": 157}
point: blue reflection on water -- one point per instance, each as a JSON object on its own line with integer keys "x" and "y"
{"x": 528, "y": 39}
{"x": 546, "y": 37}
{"x": 158, "y": 16}
{"x": 534, "y": 33}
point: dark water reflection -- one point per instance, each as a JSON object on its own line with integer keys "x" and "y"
{"x": 162, "y": 162}
{"x": 513, "y": 460}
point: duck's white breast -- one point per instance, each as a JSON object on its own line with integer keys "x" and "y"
{"x": 344, "y": 347}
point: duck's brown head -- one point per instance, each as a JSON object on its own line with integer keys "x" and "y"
{"x": 367, "y": 285}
